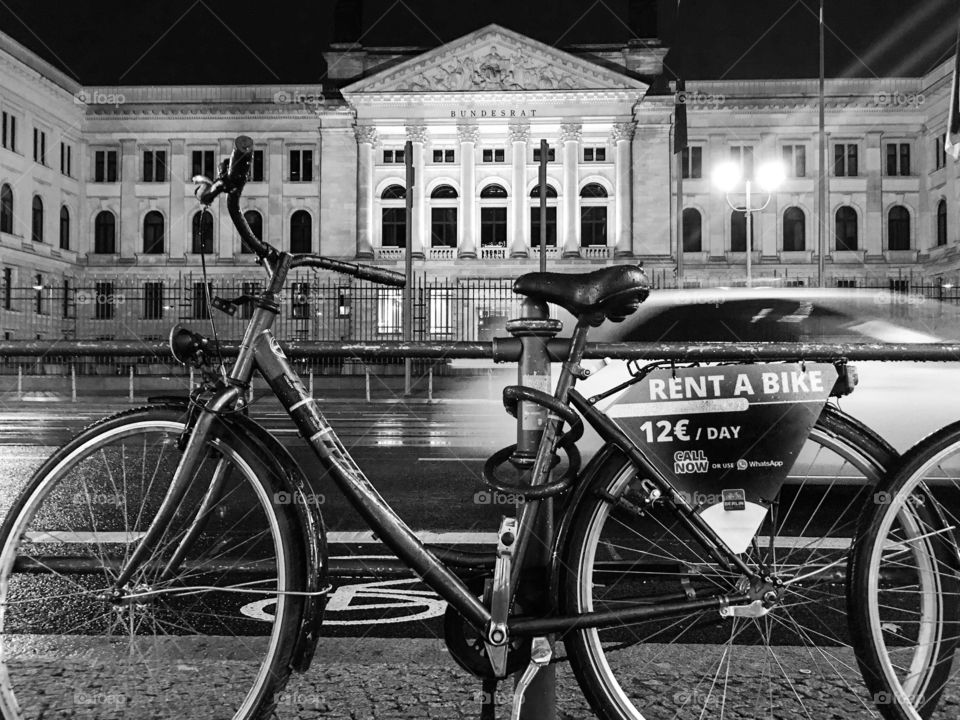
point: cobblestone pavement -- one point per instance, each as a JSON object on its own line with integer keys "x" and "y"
{"x": 375, "y": 679}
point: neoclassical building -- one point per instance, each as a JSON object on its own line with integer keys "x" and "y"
{"x": 96, "y": 196}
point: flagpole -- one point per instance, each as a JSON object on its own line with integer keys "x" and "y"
{"x": 822, "y": 175}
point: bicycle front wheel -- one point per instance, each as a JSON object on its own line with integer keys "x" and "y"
{"x": 202, "y": 630}
{"x": 793, "y": 661}
{"x": 905, "y": 573}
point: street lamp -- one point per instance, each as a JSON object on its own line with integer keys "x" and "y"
{"x": 727, "y": 176}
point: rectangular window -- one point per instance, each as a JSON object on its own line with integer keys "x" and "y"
{"x": 393, "y": 156}
{"x": 154, "y": 165}
{"x": 899, "y": 285}
{"x": 39, "y": 305}
{"x": 845, "y": 160}
{"x": 595, "y": 154}
{"x": 940, "y": 151}
{"x": 7, "y": 289}
{"x": 389, "y": 311}
{"x": 343, "y": 302}
{"x": 65, "y": 299}
{"x": 443, "y": 156}
{"x": 795, "y": 160}
{"x": 66, "y": 159}
{"x": 204, "y": 164}
{"x": 493, "y": 155}
{"x": 692, "y": 162}
{"x": 300, "y": 300}
{"x": 393, "y": 227}
{"x": 441, "y": 312}
{"x": 443, "y": 227}
{"x": 551, "y": 155}
{"x": 105, "y": 166}
{"x": 493, "y": 227}
{"x": 743, "y": 154}
{"x": 153, "y": 301}
{"x": 551, "y": 226}
{"x": 103, "y": 301}
{"x": 593, "y": 226}
{"x": 301, "y": 165}
{"x": 40, "y": 146}
{"x": 201, "y": 311}
{"x": 898, "y": 159}
{"x": 9, "y": 132}
{"x": 256, "y": 174}
{"x": 846, "y": 283}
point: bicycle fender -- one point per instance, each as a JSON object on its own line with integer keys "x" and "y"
{"x": 312, "y": 531}
{"x": 582, "y": 485}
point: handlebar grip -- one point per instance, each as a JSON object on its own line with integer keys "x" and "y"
{"x": 239, "y": 165}
{"x": 383, "y": 277}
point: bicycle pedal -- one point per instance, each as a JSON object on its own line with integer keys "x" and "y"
{"x": 540, "y": 654}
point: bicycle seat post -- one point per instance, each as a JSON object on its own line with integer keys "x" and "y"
{"x": 534, "y": 329}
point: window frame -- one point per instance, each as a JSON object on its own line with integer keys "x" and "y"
{"x": 158, "y": 165}
{"x": 302, "y": 167}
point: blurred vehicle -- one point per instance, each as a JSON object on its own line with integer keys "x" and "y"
{"x": 903, "y": 401}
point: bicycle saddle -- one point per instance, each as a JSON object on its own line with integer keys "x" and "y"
{"x": 611, "y": 293}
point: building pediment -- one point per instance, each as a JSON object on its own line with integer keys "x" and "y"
{"x": 494, "y": 59}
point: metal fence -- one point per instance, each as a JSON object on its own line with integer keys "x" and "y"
{"x": 468, "y": 309}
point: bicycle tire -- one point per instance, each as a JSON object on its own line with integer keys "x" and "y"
{"x": 655, "y": 652}
{"x": 913, "y": 517}
{"x": 192, "y": 629}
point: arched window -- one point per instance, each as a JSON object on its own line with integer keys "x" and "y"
{"x": 493, "y": 216}
{"x": 443, "y": 217}
{"x": 104, "y": 233}
{"x": 692, "y": 231}
{"x": 898, "y": 228}
{"x": 942, "y": 222}
{"x": 6, "y": 209}
{"x": 551, "y": 217}
{"x": 64, "y": 228}
{"x": 153, "y": 233}
{"x": 393, "y": 217}
{"x": 301, "y": 229}
{"x": 36, "y": 226}
{"x": 593, "y": 215}
{"x": 846, "y": 228}
{"x": 201, "y": 231}
{"x": 794, "y": 230}
{"x": 738, "y": 232}
{"x": 255, "y": 221}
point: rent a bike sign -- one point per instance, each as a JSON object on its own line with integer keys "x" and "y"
{"x": 726, "y": 436}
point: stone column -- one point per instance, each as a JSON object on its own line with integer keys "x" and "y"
{"x": 622, "y": 137}
{"x": 276, "y": 209}
{"x": 570, "y": 140}
{"x": 129, "y": 241}
{"x": 519, "y": 137}
{"x": 179, "y": 222}
{"x": 871, "y": 166}
{"x": 419, "y": 238}
{"x": 366, "y": 140}
{"x": 469, "y": 136}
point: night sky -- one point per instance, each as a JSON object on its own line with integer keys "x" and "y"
{"x": 109, "y": 42}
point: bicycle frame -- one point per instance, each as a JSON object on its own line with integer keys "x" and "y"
{"x": 260, "y": 351}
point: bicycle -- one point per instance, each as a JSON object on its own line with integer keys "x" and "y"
{"x": 139, "y": 535}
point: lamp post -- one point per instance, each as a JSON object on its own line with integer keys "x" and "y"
{"x": 727, "y": 177}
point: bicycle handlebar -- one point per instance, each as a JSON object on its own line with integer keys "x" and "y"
{"x": 232, "y": 179}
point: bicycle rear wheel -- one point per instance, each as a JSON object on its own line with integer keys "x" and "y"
{"x": 905, "y": 573}
{"x": 795, "y": 661}
{"x": 176, "y": 642}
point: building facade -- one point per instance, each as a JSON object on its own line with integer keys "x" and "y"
{"x": 97, "y": 207}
